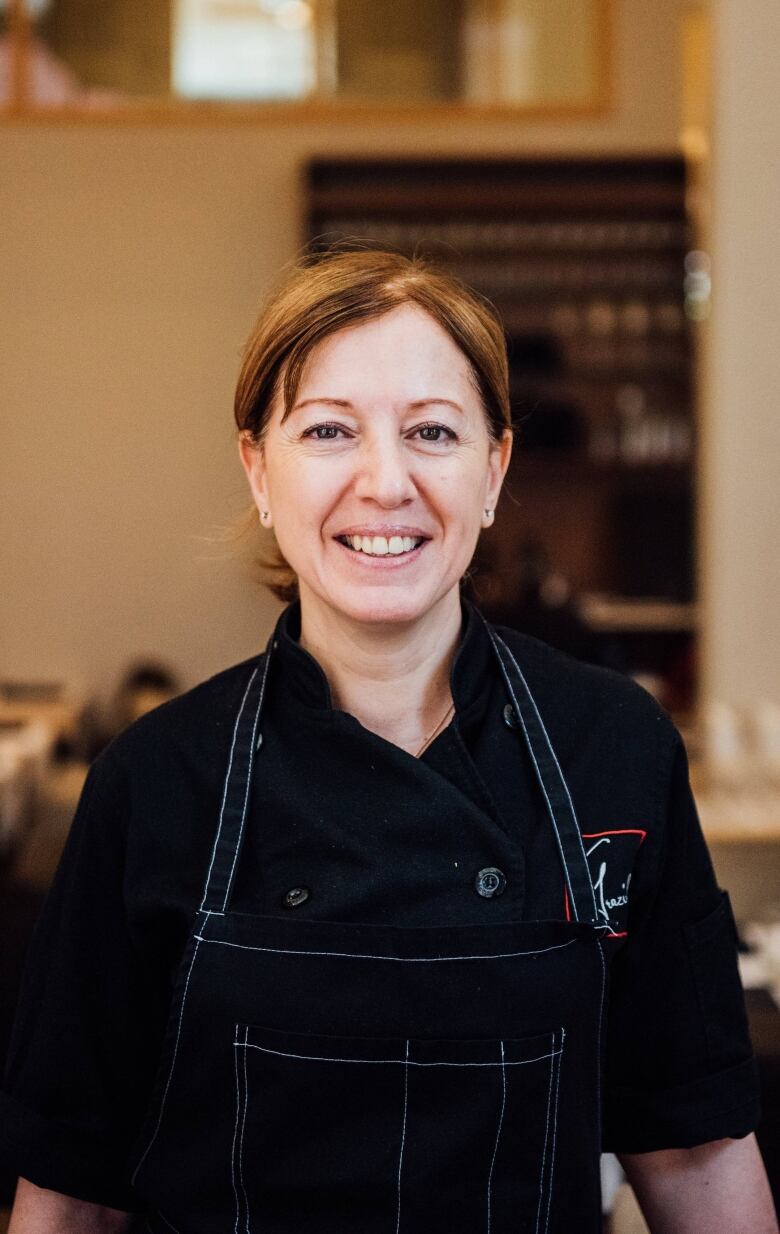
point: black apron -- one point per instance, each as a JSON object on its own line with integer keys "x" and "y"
{"x": 328, "y": 1078}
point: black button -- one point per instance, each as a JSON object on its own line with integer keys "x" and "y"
{"x": 490, "y": 882}
{"x": 510, "y": 717}
{"x": 296, "y": 896}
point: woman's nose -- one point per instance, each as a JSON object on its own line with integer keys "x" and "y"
{"x": 384, "y": 474}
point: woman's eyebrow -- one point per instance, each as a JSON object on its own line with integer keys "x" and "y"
{"x": 332, "y": 402}
{"x": 426, "y": 402}
{"x": 343, "y": 402}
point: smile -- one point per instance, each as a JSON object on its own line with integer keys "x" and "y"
{"x": 382, "y": 546}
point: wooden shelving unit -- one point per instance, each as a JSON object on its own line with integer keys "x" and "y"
{"x": 585, "y": 260}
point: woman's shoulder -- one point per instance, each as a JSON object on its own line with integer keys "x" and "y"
{"x": 581, "y": 697}
{"x": 194, "y": 728}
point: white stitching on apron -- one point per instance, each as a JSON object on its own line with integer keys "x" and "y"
{"x": 225, "y": 789}
{"x": 598, "y": 1037}
{"x": 406, "y": 1062}
{"x": 546, "y": 1139}
{"x": 604, "y": 982}
{"x": 248, "y": 780}
{"x": 498, "y": 1133}
{"x": 354, "y": 955}
{"x": 403, "y": 1137}
{"x": 233, "y": 1156}
{"x": 243, "y": 1128}
{"x": 167, "y": 1222}
{"x": 555, "y": 1130}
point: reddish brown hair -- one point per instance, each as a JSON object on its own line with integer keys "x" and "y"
{"x": 327, "y": 292}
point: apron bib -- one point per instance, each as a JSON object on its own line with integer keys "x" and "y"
{"x": 330, "y": 1078}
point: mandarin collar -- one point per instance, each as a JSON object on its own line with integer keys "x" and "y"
{"x": 299, "y": 674}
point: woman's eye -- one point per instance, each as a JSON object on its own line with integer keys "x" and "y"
{"x": 323, "y": 432}
{"x": 435, "y": 432}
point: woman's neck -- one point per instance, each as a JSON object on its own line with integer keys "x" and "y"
{"x": 395, "y": 679}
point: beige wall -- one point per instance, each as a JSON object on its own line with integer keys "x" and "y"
{"x": 133, "y": 259}
{"x": 741, "y": 475}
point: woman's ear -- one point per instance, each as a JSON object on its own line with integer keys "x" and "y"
{"x": 498, "y": 461}
{"x": 252, "y": 456}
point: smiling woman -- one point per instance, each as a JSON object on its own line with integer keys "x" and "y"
{"x": 391, "y": 926}
{"x": 343, "y": 493}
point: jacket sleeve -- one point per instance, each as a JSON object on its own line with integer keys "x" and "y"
{"x": 89, "y": 1018}
{"x": 680, "y": 1069}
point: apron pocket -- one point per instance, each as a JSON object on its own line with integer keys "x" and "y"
{"x": 351, "y": 1135}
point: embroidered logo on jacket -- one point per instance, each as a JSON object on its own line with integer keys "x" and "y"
{"x": 610, "y": 857}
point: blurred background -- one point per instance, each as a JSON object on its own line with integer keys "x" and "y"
{"x": 606, "y": 171}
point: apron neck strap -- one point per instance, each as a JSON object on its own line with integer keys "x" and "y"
{"x": 234, "y": 807}
{"x": 560, "y": 807}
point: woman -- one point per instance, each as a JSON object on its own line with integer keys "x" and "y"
{"x": 424, "y": 904}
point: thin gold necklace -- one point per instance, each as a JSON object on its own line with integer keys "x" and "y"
{"x": 438, "y": 727}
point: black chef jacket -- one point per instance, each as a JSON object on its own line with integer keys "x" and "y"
{"x": 329, "y": 813}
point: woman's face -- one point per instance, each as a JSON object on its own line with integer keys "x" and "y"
{"x": 378, "y": 480}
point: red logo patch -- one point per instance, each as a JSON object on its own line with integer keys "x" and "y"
{"x": 610, "y": 857}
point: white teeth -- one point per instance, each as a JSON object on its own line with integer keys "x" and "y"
{"x": 381, "y": 546}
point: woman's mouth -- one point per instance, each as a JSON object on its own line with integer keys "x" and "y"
{"x": 382, "y": 546}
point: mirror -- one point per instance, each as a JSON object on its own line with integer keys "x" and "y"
{"x": 538, "y": 55}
